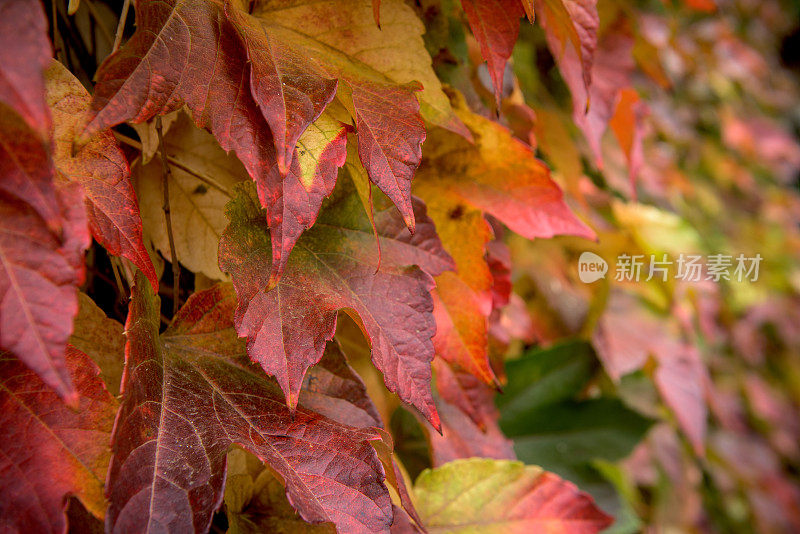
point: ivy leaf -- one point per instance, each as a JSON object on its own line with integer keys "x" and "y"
{"x": 100, "y": 168}
{"x": 334, "y": 267}
{"x": 503, "y": 496}
{"x": 495, "y": 24}
{"x": 50, "y": 450}
{"x": 382, "y": 69}
{"x": 189, "y": 395}
{"x": 24, "y": 55}
{"x": 42, "y": 237}
{"x": 278, "y": 70}
{"x": 255, "y": 92}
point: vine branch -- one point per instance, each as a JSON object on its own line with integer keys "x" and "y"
{"x": 165, "y": 177}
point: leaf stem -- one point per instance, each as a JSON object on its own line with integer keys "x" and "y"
{"x": 123, "y": 18}
{"x": 165, "y": 177}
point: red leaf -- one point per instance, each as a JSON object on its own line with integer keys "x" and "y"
{"x": 50, "y": 450}
{"x": 41, "y": 261}
{"x": 571, "y": 30}
{"x": 495, "y": 24}
{"x": 469, "y": 418}
{"x": 611, "y": 71}
{"x": 255, "y": 84}
{"x": 390, "y": 137}
{"x": 100, "y": 168}
{"x": 333, "y": 267}
{"x": 189, "y": 395}
{"x": 290, "y": 90}
{"x": 24, "y": 55}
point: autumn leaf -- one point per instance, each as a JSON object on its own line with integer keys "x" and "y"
{"x": 295, "y": 57}
{"x": 382, "y": 70}
{"x": 100, "y": 168}
{"x": 480, "y": 495}
{"x": 495, "y": 24}
{"x": 247, "y": 108}
{"x": 101, "y": 339}
{"x": 50, "y": 450}
{"x": 571, "y": 30}
{"x": 24, "y": 55}
{"x": 612, "y": 68}
{"x": 168, "y": 467}
{"x": 42, "y": 237}
{"x": 460, "y": 182}
{"x": 333, "y": 267}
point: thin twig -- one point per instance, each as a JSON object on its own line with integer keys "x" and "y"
{"x": 165, "y": 176}
{"x": 175, "y": 163}
{"x": 123, "y": 19}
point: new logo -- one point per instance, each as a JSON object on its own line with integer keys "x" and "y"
{"x": 591, "y": 267}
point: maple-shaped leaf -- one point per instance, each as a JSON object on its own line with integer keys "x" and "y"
{"x": 503, "y": 496}
{"x": 24, "y": 55}
{"x": 279, "y": 70}
{"x": 190, "y": 394}
{"x": 495, "y": 24}
{"x": 320, "y": 152}
{"x": 50, "y": 450}
{"x": 43, "y": 233}
{"x": 334, "y": 267}
{"x": 255, "y": 91}
{"x": 571, "y": 31}
{"x": 382, "y": 69}
{"x": 100, "y": 168}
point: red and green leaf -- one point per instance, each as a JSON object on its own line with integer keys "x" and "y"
{"x": 334, "y": 266}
